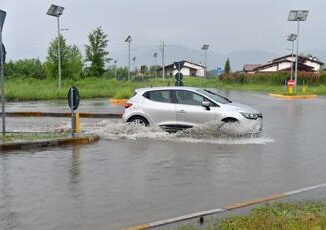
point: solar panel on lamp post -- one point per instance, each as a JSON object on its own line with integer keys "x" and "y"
{"x": 205, "y": 48}
{"x": 129, "y": 40}
{"x": 292, "y": 38}
{"x": 298, "y": 16}
{"x": 56, "y": 11}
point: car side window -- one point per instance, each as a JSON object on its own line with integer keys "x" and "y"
{"x": 188, "y": 98}
{"x": 159, "y": 96}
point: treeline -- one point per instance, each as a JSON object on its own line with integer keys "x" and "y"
{"x": 74, "y": 66}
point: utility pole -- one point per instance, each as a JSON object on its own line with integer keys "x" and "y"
{"x": 163, "y": 65}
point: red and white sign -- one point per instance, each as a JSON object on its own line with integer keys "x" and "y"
{"x": 290, "y": 83}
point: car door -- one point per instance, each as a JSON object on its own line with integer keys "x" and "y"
{"x": 189, "y": 110}
{"x": 158, "y": 107}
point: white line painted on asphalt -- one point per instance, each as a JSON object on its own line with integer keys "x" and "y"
{"x": 226, "y": 208}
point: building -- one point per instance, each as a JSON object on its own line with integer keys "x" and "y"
{"x": 284, "y": 63}
{"x": 250, "y": 68}
{"x": 189, "y": 69}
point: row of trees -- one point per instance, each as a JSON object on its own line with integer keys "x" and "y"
{"x": 74, "y": 65}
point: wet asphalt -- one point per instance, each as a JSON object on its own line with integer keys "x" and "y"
{"x": 126, "y": 180}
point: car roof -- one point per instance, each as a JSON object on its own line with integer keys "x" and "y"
{"x": 165, "y": 88}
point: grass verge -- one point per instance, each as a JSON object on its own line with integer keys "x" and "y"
{"x": 18, "y": 89}
{"x": 19, "y": 137}
{"x": 289, "y": 216}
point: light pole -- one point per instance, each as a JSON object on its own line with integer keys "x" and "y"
{"x": 205, "y": 48}
{"x": 155, "y": 64}
{"x": 2, "y": 62}
{"x": 298, "y": 16}
{"x": 134, "y": 63}
{"x": 292, "y": 38}
{"x": 129, "y": 40}
{"x": 56, "y": 11}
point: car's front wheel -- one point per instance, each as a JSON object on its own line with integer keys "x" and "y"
{"x": 138, "y": 121}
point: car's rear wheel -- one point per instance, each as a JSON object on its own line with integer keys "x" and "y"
{"x": 138, "y": 120}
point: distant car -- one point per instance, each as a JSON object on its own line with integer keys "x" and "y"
{"x": 175, "y": 108}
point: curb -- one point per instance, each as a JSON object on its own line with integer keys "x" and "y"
{"x": 225, "y": 208}
{"x": 118, "y": 101}
{"x": 294, "y": 96}
{"x": 49, "y": 143}
{"x": 49, "y": 114}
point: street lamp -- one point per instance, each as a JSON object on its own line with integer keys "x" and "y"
{"x": 298, "y": 16}
{"x": 134, "y": 63}
{"x": 2, "y": 62}
{"x": 292, "y": 38}
{"x": 155, "y": 64}
{"x": 129, "y": 40}
{"x": 205, "y": 48}
{"x": 56, "y": 11}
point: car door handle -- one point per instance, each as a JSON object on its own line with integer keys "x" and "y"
{"x": 181, "y": 111}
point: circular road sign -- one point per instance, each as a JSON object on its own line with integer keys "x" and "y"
{"x": 290, "y": 83}
{"x": 178, "y": 76}
{"x": 73, "y": 98}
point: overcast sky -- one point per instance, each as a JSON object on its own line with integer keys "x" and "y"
{"x": 227, "y": 25}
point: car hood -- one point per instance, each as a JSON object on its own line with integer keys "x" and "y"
{"x": 240, "y": 107}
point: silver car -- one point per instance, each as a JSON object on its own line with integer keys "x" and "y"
{"x": 174, "y": 108}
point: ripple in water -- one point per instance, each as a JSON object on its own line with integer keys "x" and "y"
{"x": 207, "y": 133}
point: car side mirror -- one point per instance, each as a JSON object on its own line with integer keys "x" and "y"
{"x": 205, "y": 104}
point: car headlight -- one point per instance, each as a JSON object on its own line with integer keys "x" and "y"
{"x": 252, "y": 116}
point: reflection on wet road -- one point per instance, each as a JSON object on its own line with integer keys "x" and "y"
{"x": 151, "y": 175}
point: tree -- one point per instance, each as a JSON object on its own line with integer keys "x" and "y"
{"x": 96, "y": 53}
{"x": 71, "y": 60}
{"x": 27, "y": 68}
{"x": 227, "y": 66}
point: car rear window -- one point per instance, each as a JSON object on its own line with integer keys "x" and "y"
{"x": 159, "y": 96}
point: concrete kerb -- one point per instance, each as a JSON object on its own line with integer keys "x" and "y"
{"x": 312, "y": 96}
{"x": 225, "y": 208}
{"x": 87, "y": 139}
{"x": 50, "y": 114}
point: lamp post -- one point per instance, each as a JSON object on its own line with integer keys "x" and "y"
{"x": 134, "y": 63}
{"x": 155, "y": 63}
{"x": 2, "y": 62}
{"x": 298, "y": 16}
{"x": 56, "y": 11}
{"x": 292, "y": 38}
{"x": 129, "y": 40}
{"x": 205, "y": 48}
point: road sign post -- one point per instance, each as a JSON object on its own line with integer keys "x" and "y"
{"x": 179, "y": 76}
{"x": 291, "y": 84}
{"x": 73, "y": 102}
{"x": 2, "y": 62}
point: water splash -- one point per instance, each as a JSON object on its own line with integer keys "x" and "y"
{"x": 212, "y": 133}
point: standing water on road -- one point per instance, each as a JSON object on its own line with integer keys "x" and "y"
{"x": 138, "y": 175}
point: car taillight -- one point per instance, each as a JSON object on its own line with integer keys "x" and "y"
{"x": 128, "y": 105}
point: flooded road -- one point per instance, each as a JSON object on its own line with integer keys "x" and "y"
{"x": 136, "y": 175}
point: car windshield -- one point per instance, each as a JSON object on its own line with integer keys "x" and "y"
{"x": 214, "y": 96}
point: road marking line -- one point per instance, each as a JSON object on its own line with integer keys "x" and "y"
{"x": 225, "y": 208}
{"x": 186, "y": 217}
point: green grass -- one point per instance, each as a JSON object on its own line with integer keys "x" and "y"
{"x": 288, "y": 216}
{"x": 33, "y": 89}
{"x": 10, "y": 137}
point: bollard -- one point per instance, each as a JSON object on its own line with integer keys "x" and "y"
{"x": 304, "y": 89}
{"x": 77, "y": 125}
{"x": 290, "y": 88}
